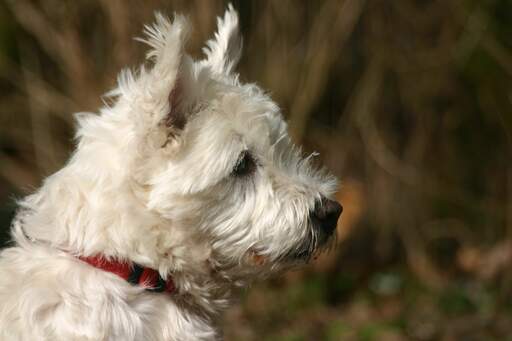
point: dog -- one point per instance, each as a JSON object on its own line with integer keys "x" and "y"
{"x": 183, "y": 188}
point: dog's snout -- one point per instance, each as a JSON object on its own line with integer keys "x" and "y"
{"x": 326, "y": 214}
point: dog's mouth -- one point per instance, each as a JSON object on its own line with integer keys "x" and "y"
{"x": 316, "y": 242}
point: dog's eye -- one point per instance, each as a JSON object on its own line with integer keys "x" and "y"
{"x": 246, "y": 164}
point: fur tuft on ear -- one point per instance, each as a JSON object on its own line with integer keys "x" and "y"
{"x": 167, "y": 40}
{"x": 224, "y": 50}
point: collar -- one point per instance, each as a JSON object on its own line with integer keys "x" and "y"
{"x": 133, "y": 273}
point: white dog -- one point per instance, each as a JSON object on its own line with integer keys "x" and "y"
{"x": 183, "y": 189}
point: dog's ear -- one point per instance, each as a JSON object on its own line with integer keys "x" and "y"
{"x": 161, "y": 88}
{"x": 224, "y": 50}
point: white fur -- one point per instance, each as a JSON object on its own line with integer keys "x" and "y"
{"x": 163, "y": 197}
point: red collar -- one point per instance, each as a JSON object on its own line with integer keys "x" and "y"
{"x": 135, "y": 274}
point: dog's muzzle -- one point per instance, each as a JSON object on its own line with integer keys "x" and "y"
{"x": 324, "y": 218}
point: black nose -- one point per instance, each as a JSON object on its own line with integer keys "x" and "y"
{"x": 326, "y": 214}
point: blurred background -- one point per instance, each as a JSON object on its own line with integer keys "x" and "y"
{"x": 408, "y": 102}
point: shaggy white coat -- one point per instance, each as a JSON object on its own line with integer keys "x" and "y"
{"x": 143, "y": 188}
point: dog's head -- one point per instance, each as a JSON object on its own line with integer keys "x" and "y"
{"x": 202, "y": 164}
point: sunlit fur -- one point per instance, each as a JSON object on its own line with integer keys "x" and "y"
{"x": 142, "y": 190}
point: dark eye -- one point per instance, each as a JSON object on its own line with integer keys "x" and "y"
{"x": 245, "y": 164}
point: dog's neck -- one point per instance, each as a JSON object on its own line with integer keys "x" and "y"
{"x": 208, "y": 291}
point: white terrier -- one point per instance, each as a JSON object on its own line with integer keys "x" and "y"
{"x": 182, "y": 190}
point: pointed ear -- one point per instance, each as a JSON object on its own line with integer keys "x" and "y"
{"x": 224, "y": 50}
{"x": 167, "y": 81}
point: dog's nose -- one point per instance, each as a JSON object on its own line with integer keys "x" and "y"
{"x": 326, "y": 214}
